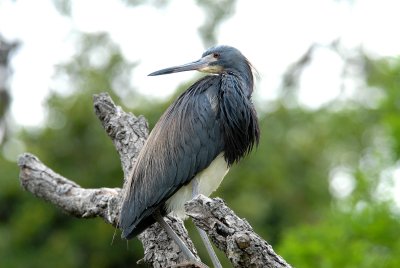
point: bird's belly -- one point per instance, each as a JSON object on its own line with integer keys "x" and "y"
{"x": 208, "y": 181}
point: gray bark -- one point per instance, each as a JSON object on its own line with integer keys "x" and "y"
{"x": 232, "y": 235}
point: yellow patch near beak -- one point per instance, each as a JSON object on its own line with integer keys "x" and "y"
{"x": 215, "y": 69}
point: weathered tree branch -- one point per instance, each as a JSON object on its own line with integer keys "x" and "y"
{"x": 232, "y": 235}
{"x": 44, "y": 183}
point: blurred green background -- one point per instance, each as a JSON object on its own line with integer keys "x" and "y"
{"x": 318, "y": 188}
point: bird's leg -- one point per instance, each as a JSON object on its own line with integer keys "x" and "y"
{"x": 203, "y": 235}
{"x": 159, "y": 218}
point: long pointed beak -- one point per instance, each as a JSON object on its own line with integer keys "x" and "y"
{"x": 196, "y": 65}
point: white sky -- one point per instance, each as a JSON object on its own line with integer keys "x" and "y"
{"x": 272, "y": 34}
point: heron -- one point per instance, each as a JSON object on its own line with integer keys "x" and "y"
{"x": 209, "y": 127}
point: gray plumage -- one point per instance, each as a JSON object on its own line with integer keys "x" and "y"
{"x": 215, "y": 115}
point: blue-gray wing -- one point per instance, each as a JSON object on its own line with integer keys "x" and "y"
{"x": 186, "y": 139}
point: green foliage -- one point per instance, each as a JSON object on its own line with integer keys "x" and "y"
{"x": 384, "y": 74}
{"x": 360, "y": 230}
{"x": 362, "y": 238}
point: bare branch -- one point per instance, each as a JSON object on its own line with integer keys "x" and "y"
{"x": 127, "y": 132}
{"x": 231, "y": 234}
{"x": 44, "y": 183}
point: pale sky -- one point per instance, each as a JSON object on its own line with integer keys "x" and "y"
{"x": 271, "y": 34}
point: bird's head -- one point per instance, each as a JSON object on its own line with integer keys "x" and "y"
{"x": 216, "y": 60}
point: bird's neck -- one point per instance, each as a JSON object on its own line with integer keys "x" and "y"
{"x": 239, "y": 119}
{"x": 244, "y": 74}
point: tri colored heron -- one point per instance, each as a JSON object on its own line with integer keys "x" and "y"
{"x": 212, "y": 125}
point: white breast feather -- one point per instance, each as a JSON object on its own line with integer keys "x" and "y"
{"x": 208, "y": 181}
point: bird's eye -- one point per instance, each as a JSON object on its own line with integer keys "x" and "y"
{"x": 216, "y": 55}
